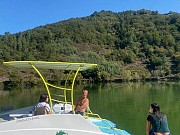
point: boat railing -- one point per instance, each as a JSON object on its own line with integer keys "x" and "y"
{"x": 93, "y": 116}
{"x": 58, "y": 96}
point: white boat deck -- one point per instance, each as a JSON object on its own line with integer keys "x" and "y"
{"x": 61, "y": 121}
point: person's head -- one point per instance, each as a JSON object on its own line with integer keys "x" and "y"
{"x": 84, "y": 93}
{"x": 154, "y": 108}
{"x": 43, "y": 98}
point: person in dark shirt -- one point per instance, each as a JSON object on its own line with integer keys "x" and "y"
{"x": 156, "y": 121}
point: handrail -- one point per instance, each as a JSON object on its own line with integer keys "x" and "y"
{"x": 99, "y": 118}
{"x": 57, "y": 95}
{"x": 47, "y": 88}
{"x": 66, "y": 84}
{"x": 57, "y": 87}
{"x": 72, "y": 88}
{"x": 110, "y": 126}
{"x": 61, "y": 101}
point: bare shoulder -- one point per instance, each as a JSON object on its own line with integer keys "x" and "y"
{"x": 86, "y": 101}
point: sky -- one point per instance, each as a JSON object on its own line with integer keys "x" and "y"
{"x": 21, "y": 15}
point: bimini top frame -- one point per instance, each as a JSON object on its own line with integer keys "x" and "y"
{"x": 73, "y": 69}
{"x": 36, "y": 65}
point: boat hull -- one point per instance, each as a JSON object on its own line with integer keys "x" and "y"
{"x": 55, "y": 124}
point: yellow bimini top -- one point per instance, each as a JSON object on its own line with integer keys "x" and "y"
{"x": 73, "y": 68}
{"x": 50, "y": 65}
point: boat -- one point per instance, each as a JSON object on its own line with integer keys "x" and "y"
{"x": 61, "y": 122}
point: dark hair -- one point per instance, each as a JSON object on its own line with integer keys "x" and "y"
{"x": 155, "y": 107}
{"x": 159, "y": 115}
{"x": 43, "y": 97}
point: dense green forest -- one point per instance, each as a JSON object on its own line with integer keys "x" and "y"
{"x": 129, "y": 45}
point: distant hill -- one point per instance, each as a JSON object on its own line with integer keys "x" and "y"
{"x": 130, "y": 45}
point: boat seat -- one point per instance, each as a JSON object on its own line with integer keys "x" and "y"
{"x": 16, "y": 116}
{"x": 20, "y": 115}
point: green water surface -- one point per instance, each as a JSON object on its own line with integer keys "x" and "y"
{"x": 126, "y": 104}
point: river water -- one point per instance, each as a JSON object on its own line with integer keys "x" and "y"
{"x": 126, "y": 104}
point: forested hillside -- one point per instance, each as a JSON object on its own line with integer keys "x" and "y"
{"x": 130, "y": 45}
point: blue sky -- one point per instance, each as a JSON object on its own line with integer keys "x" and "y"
{"x": 21, "y": 15}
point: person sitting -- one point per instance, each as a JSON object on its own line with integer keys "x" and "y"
{"x": 42, "y": 107}
{"x": 82, "y": 103}
{"x": 157, "y": 120}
